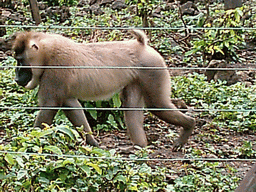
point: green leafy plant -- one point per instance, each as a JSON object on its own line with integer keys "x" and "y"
{"x": 219, "y": 44}
{"x": 194, "y": 89}
{"x": 105, "y": 119}
{"x": 69, "y": 165}
{"x": 144, "y": 9}
{"x": 246, "y": 150}
{"x": 206, "y": 177}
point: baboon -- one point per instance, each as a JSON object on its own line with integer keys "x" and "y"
{"x": 139, "y": 87}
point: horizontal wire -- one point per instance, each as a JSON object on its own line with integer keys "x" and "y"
{"x": 128, "y": 67}
{"x": 126, "y": 109}
{"x": 126, "y": 28}
{"x": 123, "y": 158}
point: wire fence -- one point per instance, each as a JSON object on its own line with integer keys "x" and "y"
{"x": 126, "y": 109}
{"x": 125, "y": 28}
{"x": 124, "y": 158}
{"x": 127, "y": 67}
{"x": 119, "y": 108}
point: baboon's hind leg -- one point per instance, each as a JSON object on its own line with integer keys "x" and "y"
{"x": 157, "y": 95}
{"x": 132, "y": 98}
{"x": 176, "y": 118}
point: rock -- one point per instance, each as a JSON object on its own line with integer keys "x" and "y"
{"x": 5, "y": 13}
{"x": 231, "y": 76}
{"x": 96, "y": 10}
{"x": 118, "y": 5}
{"x": 189, "y": 8}
{"x": 158, "y": 10}
{"x": 132, "y": 9}
{"x": 60, "y": 14}
{"x": 93, "y": 9}
{"x": 164, "y": 7}
{"x": 106, "y": 140}
{"x": 106, "y": 2}
{"x": 214, "y": 64}
{"x": 42, "y": 5}
{"x": 171, "y": 6}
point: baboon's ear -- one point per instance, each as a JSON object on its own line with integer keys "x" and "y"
{"x": 33, "y": 45}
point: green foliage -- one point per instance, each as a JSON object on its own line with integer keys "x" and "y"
{"x": 161, "y": 42}
{"x": 220, "y": 43}
{"x": 16, "y": 96}
{"x": 110, "y": 18}
{"x": 105, "y": 119}
{"x": 53, "y": 159}
{"x": 98, "y": 171}
{"x": 194, "y": 89}
{"x": 144, "y": 5}
{"x": 205, "y": 176}
{"x": 246, "y": 150}
{"x": 144, "y": 9}
{"x": 13, "y": 95}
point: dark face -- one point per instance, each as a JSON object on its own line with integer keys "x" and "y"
{"x": 23, "y": 75}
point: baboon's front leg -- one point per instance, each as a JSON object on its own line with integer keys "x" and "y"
{"x": 45, "y": 116}
{"x": 78, "y": 119}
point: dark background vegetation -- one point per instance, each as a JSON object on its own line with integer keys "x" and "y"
{"x": 219, "y": 134}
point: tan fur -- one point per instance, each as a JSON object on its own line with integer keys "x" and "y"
{"x": 63, "y": 87}
{"x": 141, "y": 37}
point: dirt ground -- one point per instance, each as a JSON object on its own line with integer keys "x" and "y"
{"x": 161, "y": 136}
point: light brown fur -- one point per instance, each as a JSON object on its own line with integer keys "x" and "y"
{"x": 64, "y": 87}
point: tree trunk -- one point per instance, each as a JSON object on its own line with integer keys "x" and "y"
{"x": 248, "y": 184}
{"x": 35, "y": 11}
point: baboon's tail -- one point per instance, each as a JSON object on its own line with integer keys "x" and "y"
{"x": 141, "y": 36}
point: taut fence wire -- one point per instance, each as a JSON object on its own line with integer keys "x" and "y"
{"x": 127, "y": 67}
{"x": 125, "y": 158}
{"x": 126, "y": 109}
{"x": 124, "y": 28}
